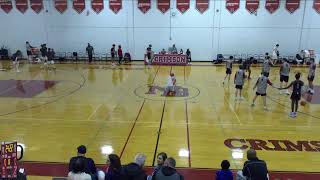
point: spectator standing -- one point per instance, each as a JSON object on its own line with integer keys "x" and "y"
{"x": 120, "y": 55}
{"x": 168, "y": 171}
{"x": 224, "y": 173}
{"x": 90, "y": 52}
{"x": 134, "y": 170}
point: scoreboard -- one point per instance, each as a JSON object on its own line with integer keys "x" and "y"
{"x": 8, "y": 160}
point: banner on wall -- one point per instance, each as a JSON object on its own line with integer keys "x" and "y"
{"x": 115, "y": 5}
{"x": 316, "y": 5}
{"x": 252, "y": 6}
{"x": 183, "y": 5}
{"x": 22, "y": 5}
{"x": 61, "y": 5}
{"x": 202, "y": 5}
{"x": 144, "y": 5}
{"x": 36, "y": 5}
{"x": 97, "y": 5}
{"x": 163, "y": 5}
{"x": 6, "y": 6}
{"x": 292, "y": 5}
{"x": 232, "y": 5}
{"x": 272, "y": 5}
{"x": 79, "y": 5}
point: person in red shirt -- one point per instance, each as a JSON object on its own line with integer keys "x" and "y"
{"x": 120, "y": 55}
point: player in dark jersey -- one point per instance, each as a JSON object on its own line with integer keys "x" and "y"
{"x": 113, "y": 54}
{"x": 247, "y": 66}
{"x": 297, "y": 86}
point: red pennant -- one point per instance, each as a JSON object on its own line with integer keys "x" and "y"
{"x": 36, "y": 5}
{"x": 79, "y": 5}
{"x": 183, "y": 5}
{"x": 272, "y": 5}
{"x": 115, "y": 5}
{"x": 252, "y": 6}
{"x": 61, "y": 5}
{"x": 316, "y": 5}
{"x": 97, "y": 5}
{"x": 202, "y": 5}
{"x": 163, "y": 5}
{"x": 292, "y": 5}
{"x": 144, "y": 5}
{"x": 22, "y": 5}
{"x": 6, "y": 5}
{"x": 232, "y": 5}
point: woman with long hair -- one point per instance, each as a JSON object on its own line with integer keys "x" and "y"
{"x": 114, "y": 167}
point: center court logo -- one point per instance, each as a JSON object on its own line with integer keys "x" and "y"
{"x": 156, "y": 92}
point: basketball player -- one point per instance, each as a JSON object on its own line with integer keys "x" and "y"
{"x": 296, "y": 94}
{"x": 275, "y": 54}
{"x": 44, "y": 54}
{"x": 311, "y": 75}
{"x": 29, "y": 51}
{"x": 262, "y": 85}
{"x": 120, "y": 55}
{"x": 15, "y": 60}
{"x": 228, "y": 69}
{"x": 149, "y": 53}
{"x": 284, "y": 74}
{"x": 247, "y": 66}
{"x": 266, "y": 66}
{"x": 113, "y": 54}
{"x": 170, "y": 89}
{"x": 239, "y": 81}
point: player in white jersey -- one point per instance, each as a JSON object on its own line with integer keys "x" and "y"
{"x": 171, "y": 84}
{"x": 228, "y": 69}
{"x": 311, "y": 75}
{"x": 15, "y": 60}
{"x": 239, "y": 81}
{"x": 284, "y": 75}
{"x": 275, "y": 54}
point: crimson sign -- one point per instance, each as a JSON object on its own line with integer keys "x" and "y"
{"x": 36, "y": 5}
{"x": 163, "y": 5}
{"x": 316, "y": 5}
{"x": 97, "y": 5}
{"x": 22, "y": 5}
{"x": 252, "y": 5}
{"x": 202, "y": 5}
{"x": 272, "y": 5}
{"x": 183, "y": 5}
{"x": 115, "y": 5}
{"x": 292, "y": 5}
{"x": 79, "y": 5}
{"x": 61, "y": 5}
{"x": 232, "y": 5}
{"x": 144, "y": 5}
{"x": 6, "y": 5}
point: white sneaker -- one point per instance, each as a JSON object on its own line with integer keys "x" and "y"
{"x": 287, "y": 92}
{"x": 265, "y": 108}
{"x": 241, "y": 98}
{"x": 18, "y": 71}
{"x": 311, "y": 91}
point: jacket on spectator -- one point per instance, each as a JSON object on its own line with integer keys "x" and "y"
{"x": 113, "y": 175}
{"x": 133, "y": 171}
{"x": 167, "y": 173}
{"x": 90, "y": 165}
{"x": 224, "y": 175}
{"x": 255, "y": 169}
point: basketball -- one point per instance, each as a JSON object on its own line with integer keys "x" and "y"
{"x": 303, "y": 103}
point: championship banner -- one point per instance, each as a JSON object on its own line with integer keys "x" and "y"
{"x": 22, "y": 5}
{"x": 169, "y": 59}
{"x": 163, "y": 5}
{"x": 202, "y": 5}
{"x": 272, "y": 5}
{"x": 97, "y": 5}
{"x": 292, "y": 5}
{"x": 252, "y": 6}
{"x": 183, "y": 5}
{"x": 316, "y": 5}
{"x": 232, "y": 5}
{"x": 79, "y": 5}
{"x": 8, "y": 159}
{"x": 144, "y": 5}
{"x": 36, "y": 5}
{"x": 6, "y": 6}
{"x": 61, "y": 5}
{"x": 115, "y": 5}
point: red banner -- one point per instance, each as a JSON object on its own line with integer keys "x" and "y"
{"x": 61, "y": 5}
{"x": 36, "y": 5}
{"x": 22, "y": 5}
{"x": 202, "y": 5}
{"x": 163, "y": 5}
{"x": 292, "y": 5}
{"x": 97, "y": 5}
{"x": 316, "y": 5}
{"x": 183, "y": 5}
{"x": 144, "y": 5}
{"x": 6, "y": 5}
{"x": 272, "y": 5}
{"x": 115, "y": 5}
{"x": 252, "y": 6}
{"x": 232, "y": 5}
{"x": 79, "y": 5}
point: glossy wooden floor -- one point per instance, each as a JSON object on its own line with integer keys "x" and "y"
{"x": 100, "y": 106}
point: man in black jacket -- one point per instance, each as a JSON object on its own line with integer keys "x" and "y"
{"x": 254, "y": 169}
{"x": 168, "y": 171}
{"x": 134, "y": 171}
